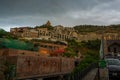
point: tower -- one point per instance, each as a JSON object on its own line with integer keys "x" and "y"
{"x": 48, "y": 23}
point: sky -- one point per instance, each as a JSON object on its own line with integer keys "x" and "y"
{"x": 21, "y": 13}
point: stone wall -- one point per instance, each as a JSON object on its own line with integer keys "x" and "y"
{"x": 30, "y": 66}
{"x": 15, "y": 52}
{"x": 111, "y": 41}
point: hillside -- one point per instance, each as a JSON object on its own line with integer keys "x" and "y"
{"x": 16, "y": 44}
{"x": 97, "y": 29}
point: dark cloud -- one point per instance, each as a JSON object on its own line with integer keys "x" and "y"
{"x": 65, "y": 12}
{"x": 44, "y": 7}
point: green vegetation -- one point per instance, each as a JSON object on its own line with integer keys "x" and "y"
{"x": 97, "y": 28}
{"x": 16, "y": 44}
{"x": 4, "y": 34}
{"x": 72, "y": 49}
{"x": 89, "y": 50}
{"x": 8, "y": 70}
{"x": 91, "y": 44}
{"x": 69, "y": 52}
{"x": 10, "y": 41}
{"x": 89, "y": 58}
{"x": 83, "y": 47}
{"x": 44, "y": 26}
{"x": 88, "y": 28}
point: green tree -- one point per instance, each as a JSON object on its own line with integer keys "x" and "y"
{"x": 69, "y": 52}
{"x": 2, "y": 33}
{"x": 8, "y": 70}
{"x": 44, "y": 26}
{"x": 90, "y": 51}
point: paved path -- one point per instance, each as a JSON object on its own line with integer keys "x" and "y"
{"x": 91, "y": 75}
{"x": 104, "y": 74}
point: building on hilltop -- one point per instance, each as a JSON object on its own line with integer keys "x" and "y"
{"x": 58, "y": 33}
{"x": 48, "y": 23}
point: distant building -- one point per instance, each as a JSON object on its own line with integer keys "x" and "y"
{"x": 48, "y": 23}
{"x": 25, "y": 32}
{"x": 112, "y": 44}
{"x": 57, "y": 33}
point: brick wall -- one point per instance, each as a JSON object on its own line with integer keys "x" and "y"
{"x": 29, "y": 66}
{"x": 15, "y": 52}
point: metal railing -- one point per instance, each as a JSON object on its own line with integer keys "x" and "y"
{"x": 81, "y": 74}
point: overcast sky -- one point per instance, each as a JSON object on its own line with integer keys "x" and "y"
{"x": 18, "y": 13}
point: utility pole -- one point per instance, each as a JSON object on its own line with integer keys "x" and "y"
{"x": 103, "y": 43}
{"x": 102, "y": 69}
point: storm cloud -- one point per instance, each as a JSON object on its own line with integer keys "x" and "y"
{"x": 16, "y": 13}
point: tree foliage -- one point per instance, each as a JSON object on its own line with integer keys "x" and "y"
{"x": 97, "y": 28}
{"x": 89, "y": 58}
{"x": 89, "y": 49}
{"x": 8, "y": 70}
{"x": 16, "y": 44}
{"x": 4, "y": 34}
{"x": 91, "y": 44}
{"x": 44, "y": 26}
{"x": 69, "y": 52}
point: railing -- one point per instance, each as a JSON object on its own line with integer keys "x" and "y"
{"x": 81, "y": 74}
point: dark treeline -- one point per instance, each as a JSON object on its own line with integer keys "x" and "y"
{"x": 97, "y": 28}
{"x": 44, "y": 26}
{"x": 5, "y": 34}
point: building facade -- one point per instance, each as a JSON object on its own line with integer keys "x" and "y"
{"x": 112, "y": 44}
{"x": 57, "y": 33}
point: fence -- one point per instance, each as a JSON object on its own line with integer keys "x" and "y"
{"x": 81, "y": 74}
